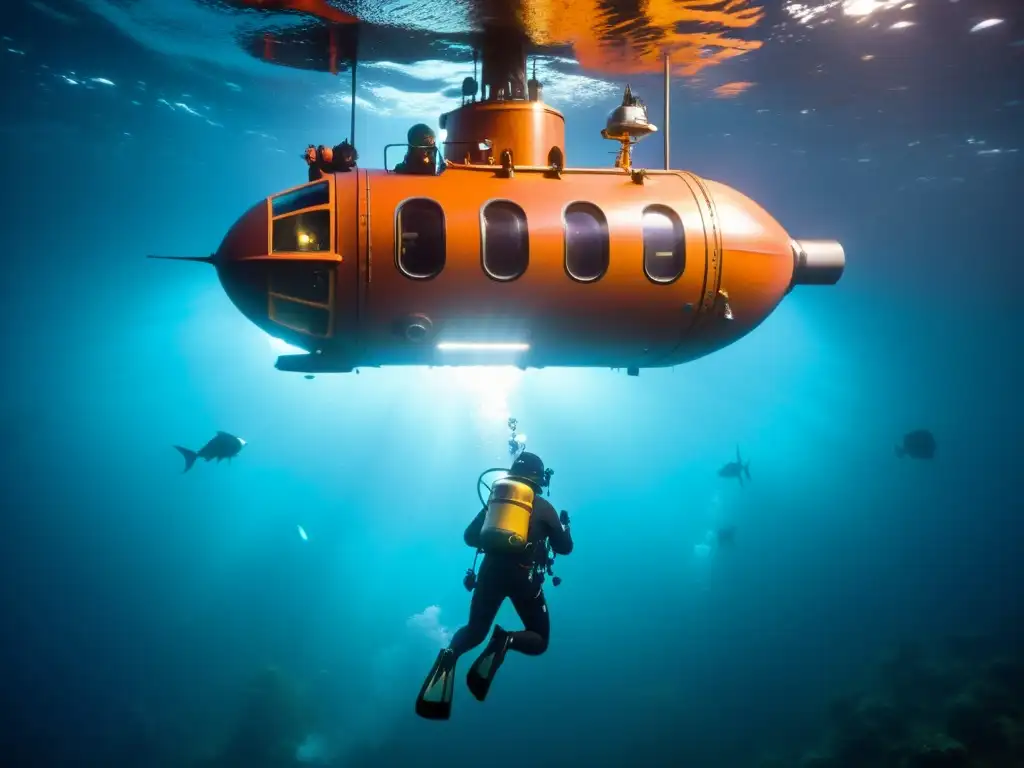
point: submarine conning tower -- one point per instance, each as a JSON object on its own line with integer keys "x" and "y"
{"x": 503, "y": 118}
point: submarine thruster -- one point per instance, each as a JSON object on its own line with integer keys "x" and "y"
{"x": 487, "y": 248}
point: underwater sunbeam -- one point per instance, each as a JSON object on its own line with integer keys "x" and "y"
{"x": 283, "y": 347}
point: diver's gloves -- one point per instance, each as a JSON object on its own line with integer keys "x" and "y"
{"x": 563, "y": 518}
{"x": 435, "y": 699}
{"x": 482, "y": 673}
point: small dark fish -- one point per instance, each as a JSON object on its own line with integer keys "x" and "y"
{"x": 309, "y": 376}
{"x": 919, "y": 444}
{"x": 222, "y": 446}
{"x": 726, "y": 536}
{"x": 736, "y": 468}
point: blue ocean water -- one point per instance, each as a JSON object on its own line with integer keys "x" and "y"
{"x": 298, "y": 596}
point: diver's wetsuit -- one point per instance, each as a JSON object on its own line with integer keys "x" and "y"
{"x": 509, "y": 576}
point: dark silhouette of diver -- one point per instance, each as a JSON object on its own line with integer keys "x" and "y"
{"x": 513, "y": 566}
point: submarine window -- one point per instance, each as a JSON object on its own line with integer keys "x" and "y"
{"x": 586, "y": 242}
{"x": 303, "y": 197}
{"x": 506, "y": 240}
{"x": 304, "y": 318}
{"x": 419, "y": 239}
{"x": 301, "y": 280}
{"x": 664, "y": 245}
{"x": 308, "y": 232}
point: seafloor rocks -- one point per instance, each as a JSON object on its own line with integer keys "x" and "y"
{"x": 962, "y": 707}
{"x": 938, "y": 751}
{"x": 815, "y": 760}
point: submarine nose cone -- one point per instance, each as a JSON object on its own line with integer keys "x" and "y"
{"x": 247, "y": 236}
{"x": 244, "y": 281}
{"x": 818, "y": 262}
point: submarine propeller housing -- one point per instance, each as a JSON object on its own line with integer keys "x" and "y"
{"x": 488, "y": 248}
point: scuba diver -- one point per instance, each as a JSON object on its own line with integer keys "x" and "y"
{"x": 513, "y": 531}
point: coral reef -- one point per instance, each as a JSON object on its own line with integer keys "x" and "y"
{"x": 959, "y": 706}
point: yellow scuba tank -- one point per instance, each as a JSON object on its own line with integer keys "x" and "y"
{"x": 507, "y": 522}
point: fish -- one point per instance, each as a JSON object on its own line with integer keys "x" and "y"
{"x": 736, "y": 468}
{"x": 917, "y": 444}
{"x": 986, "y": 24}
{"x": 221, "y": 446}
{"x": 725, "y": 536}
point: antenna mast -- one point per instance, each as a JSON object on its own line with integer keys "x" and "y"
{"x": 355, "y": 64}
{"x": 667, "y": 126}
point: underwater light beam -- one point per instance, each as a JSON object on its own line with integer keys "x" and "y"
{"x": 282, "y": 347}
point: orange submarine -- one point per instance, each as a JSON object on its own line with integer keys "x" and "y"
{"x": 487, "y": 248}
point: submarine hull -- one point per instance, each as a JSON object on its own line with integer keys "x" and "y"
{"x": 531, "y": 266}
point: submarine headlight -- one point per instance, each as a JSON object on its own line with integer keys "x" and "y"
{"x": 475, "y": 346}
{"x": 305, "y": 238}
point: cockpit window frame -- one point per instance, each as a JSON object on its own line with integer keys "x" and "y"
{"x": 316, "y": 220}
{"x": 329, "y": 206}
{"x": 331, "y": 268}
{"x": 483, "y": 239}
{"x": 322, "y": 183}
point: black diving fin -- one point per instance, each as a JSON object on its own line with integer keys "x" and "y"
{"x": 482, "y": 673}
{"x": 435, "y": 699}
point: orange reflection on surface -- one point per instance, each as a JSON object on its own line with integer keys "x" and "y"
{"x": 729, "y": 90}
{"x": 319, "y": 8}
{"x": 614, "y": 37}
{"x": 628, "y": 39}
